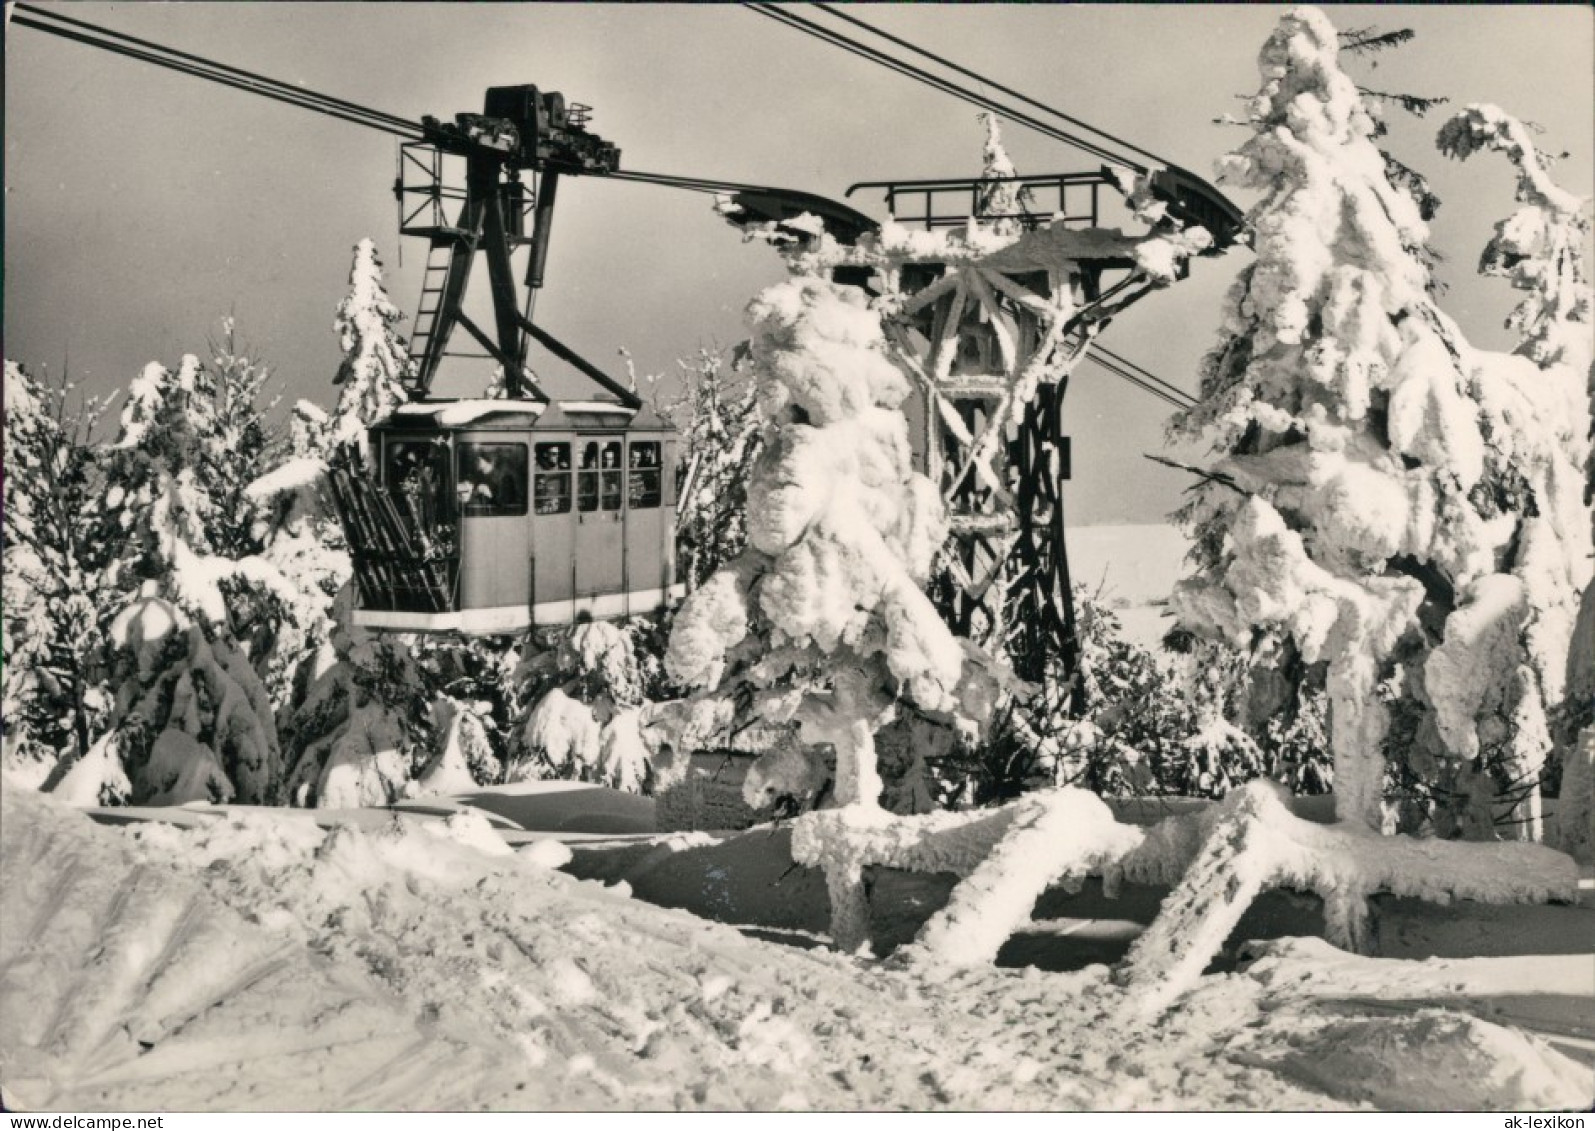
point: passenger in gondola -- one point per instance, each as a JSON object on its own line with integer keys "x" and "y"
{"x": 508, "y": 494}
{"x": 490, "y": 485}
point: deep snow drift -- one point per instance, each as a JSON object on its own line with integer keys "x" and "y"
{"x": 256, "y": 960}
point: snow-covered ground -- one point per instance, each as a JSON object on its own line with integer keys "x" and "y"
{"x": 249, "y": 958}
{"x": 1134, "y": 569}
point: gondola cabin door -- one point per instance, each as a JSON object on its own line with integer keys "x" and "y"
{"x": 491, "y": 481}
{"x": 553, "y": 528}
{"x": 600, "y": 561}
{"x": 650, "y": 526}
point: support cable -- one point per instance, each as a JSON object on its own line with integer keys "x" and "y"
{"x": 143, "y": 50}
{"x": 1105, "y": 357}
{"x": 786, "y": 16}
{"x": 838, "y": 13}
{"x": 1154, "y": 386}
{"x": 690, "y": 184}
{"x": 198, "y": 66}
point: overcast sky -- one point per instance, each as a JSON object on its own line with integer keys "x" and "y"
{"x": 143, "y": 206}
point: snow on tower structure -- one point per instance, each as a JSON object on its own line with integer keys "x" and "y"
{"x": 822, "y": 625}
{"x": 990, "y": 292}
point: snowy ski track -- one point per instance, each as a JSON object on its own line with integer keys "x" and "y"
{"x": 260, "y": 962}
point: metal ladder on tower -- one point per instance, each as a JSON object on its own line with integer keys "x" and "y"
{"x": 434, "y": 282}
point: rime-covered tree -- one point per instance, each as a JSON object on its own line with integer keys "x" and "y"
{"x": 820, "y": 624}
{"x": 374, "y": 353}
{"x": 586, "y": 694}
{"x": 998, "y": 196}
{"x": 1540, "y": 248}
{"x": 55, "y": 577}
{"x": 359, "y": 727}
{"x": 290, "y": 513}
{"x": 238, "y": 442}
{"x": 293, "y": 523}
{"x": 1386, "y": 493}
{"x": 191, "y": 718}
{"x": 1178, "y": 721}
{"x": 192, "y": 721}
{"x": 363, "y": 729}
{"x": 721, "y": 432}
{"x": 1540, "y": 251}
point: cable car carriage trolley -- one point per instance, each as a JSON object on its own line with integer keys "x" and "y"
{"x": 487, "y": 517}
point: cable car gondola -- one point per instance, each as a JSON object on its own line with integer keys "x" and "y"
{"x": 494, "y": 516}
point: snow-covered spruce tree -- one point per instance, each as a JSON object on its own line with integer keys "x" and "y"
{"x": 821, "y": 623}
{"x": 1390, "y": 500}
{"x": 1177, "y": 722}
{"x": 375, "y": 355}
{"x": 1131, "y": 705}
{"x": 1540, "y": 250}
{"x": 362, "y": 727}
{"x": 191, "y": 720}
{"x": 238, "y": 443}
{"x": 54, "y": 572}
{"x": 1004, "y": 200}
{"x": 293, "y": 523}
{"x": 586, "y": 693}
{"x": 476, "y": 700}
{"x": 721, "y": 431}
{"x": 291, "y": 516}
{"x": 242, "y": 521}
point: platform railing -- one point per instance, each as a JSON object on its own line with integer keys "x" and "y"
{"x": 1067, "y": 198}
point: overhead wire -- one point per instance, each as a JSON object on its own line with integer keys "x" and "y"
{"x": 1109, "y": 361}
{"x": 1155, "y": 387}
{"x": 26, "y": 15}
{"x": 840, "y": 39}
{"x": 690, "y": 184}
{"x": 392, "y": 119}
{"x": 838, "y": 13}
{"x": 198, "y": 66}
{"x": 1100, "y": 353}
{"x": 183, "y": 62}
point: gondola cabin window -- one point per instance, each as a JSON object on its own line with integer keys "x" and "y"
{"x": 643, "y": 485}
{"x": 598, "y": 482}
{"x": 551, "y": 487}
{"x": 416, "y": 474}
{"x": 491, "y": 479}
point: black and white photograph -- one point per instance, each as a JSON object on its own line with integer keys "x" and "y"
{"x": 798, "y": 557}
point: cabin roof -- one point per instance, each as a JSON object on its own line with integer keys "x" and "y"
{"x": 450, "y": 414}
{"x": 523, "y": 414}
